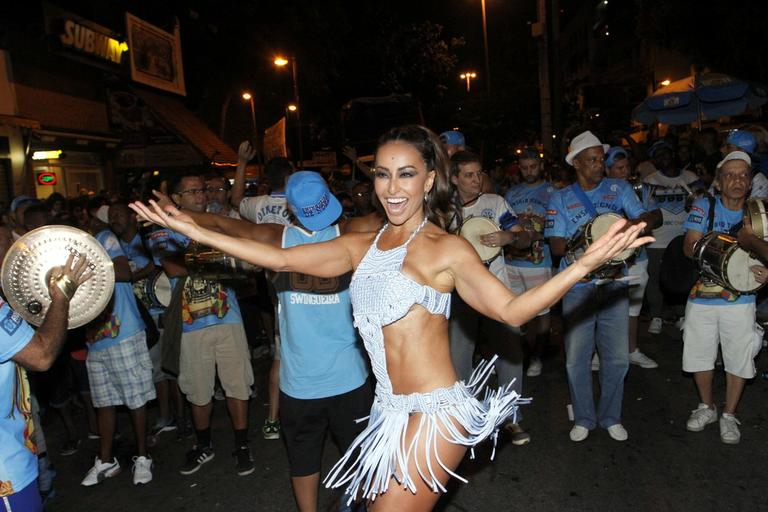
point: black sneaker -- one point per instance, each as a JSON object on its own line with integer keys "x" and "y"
{"x": 244, "y": 461}
{"x": 70, "y": 447}
{"x": 196, "y": 457}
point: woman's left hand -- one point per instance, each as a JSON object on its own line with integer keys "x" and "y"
{"x": 618, "y": 239}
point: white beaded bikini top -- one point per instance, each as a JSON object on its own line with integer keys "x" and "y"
{"x": 379, "y": 288}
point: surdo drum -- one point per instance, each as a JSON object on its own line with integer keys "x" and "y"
{"x": 723, "y": 262}
{"x": 588, "y": 234}
{"x": 155, "y": 291}
{"x": 36, "y": 256}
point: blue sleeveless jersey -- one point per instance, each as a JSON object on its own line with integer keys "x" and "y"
{"x": 320, "y": 354}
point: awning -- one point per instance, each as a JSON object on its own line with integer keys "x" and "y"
{"x": 178, "y": 119}
{"x": 54, "y": 110}
{"x": 21, "y": 122}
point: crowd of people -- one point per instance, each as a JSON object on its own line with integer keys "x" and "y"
{"x": 345, "y": 263}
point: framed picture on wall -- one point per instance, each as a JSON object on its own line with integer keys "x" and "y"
{"x": 155, "y": 55}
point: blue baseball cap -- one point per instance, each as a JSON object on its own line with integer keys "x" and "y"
{"x": 742, "y": 139}
{"x": 611, "y": 154}
{"x": 311, "y": 200}
{"x": 452, "y": 137}
{"x": 21, "y": 201}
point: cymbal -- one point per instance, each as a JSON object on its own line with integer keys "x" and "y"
{"x": 29, "y": 263}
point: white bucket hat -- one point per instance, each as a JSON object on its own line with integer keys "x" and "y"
{"x": 735, "y": 155}
{"x": 581, "y": 142}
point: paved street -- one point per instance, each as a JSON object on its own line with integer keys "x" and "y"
{"x": 661, "y": 467}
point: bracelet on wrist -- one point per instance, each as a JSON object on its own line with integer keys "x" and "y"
{"x": 67, "y": 286}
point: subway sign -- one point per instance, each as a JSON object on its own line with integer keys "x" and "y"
{"x": 93, "y": 43}
{"x": 75, "y": 37}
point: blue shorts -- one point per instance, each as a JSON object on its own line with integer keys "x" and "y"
{"x": 26, "y": 500}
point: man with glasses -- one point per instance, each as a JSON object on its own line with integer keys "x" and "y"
{"x": 217, "y": 196}
{"x": 213, "y": 340}
{"x": 715, "y": 316}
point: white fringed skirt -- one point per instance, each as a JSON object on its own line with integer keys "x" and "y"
{"x": 381, "y": 452}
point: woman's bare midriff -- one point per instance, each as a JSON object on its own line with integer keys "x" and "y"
{"x": 418, "y": 353}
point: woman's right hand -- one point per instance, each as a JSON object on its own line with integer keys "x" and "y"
{"x": 167, "y": 216}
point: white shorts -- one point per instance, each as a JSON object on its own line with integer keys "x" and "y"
{"x": 637, "y": 275}
{"x": 522, "y": 279}
{"x": 732, "y": 326}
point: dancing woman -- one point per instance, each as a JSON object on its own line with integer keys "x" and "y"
{"x": 422, "y": 420}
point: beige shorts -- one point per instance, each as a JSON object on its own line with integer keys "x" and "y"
{"x": 732, "y": 326}
{"x": 522, "y": 279}
{"x": 223, "y": 347}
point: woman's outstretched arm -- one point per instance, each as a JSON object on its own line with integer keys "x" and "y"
{"x": 489, "y": 296}
{"x": 326, "y": 259}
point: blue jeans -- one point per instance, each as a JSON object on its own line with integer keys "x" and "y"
{"x": 597, "y": 316}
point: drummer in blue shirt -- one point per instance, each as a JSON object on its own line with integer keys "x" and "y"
{"x": 596, "y": 312}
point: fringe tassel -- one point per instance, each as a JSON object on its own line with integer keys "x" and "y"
{"x": 382, "y": 452}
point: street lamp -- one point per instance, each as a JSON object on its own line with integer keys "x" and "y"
{"x": 292, "y": 107}
{"x": 247, "y": 96}
{"x": 485, "y": 48}
{"x": 468, "y": 76}
{"x": 281, "y": 62}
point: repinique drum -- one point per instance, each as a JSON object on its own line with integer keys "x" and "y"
{"x": 472, "y": 229}
{"x": 588, "y": 234}
{"x": 722, "y": 261}
{"x": 154, "y": 291}
{"x": 215, "y": 265}
{"x": 758, "y": 214}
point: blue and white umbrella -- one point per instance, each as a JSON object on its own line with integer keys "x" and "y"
{"x": 698, "y": 98}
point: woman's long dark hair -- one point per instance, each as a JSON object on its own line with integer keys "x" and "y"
{"x": 438, "y": 205}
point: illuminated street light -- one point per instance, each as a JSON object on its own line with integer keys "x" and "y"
{"x": 247, "y": 96}
{"x": 666, "y": 82}
{"x": 292, "y": 107}
{"x": 468, "y": 76}
{"x": 280, "y": 61}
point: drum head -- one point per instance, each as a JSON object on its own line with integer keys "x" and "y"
{"x": 30, "y": 259}
{"x": 600, "y": 226}
{"x": 473, "y": 229}
{"x": 163, "y": 289}
{"x": 740, "y": 277}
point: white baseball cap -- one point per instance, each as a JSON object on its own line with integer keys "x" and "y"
{"x": 735, "y": 155}
{"x": 103, "y": 213}
{"x": 581, "y": 142}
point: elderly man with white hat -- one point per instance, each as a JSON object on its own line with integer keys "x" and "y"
{"x": 716, "y": 316}
{"x": 596, "y": 311}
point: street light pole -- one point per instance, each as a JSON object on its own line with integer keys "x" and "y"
{"x": 280, "y": 62}
{"x": 468, "y": 76}
{"x": 249, "y": 98}
{"x": 298, "y": 108}
{"x": 485, "y": 48}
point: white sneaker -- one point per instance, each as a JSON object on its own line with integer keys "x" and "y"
{"x": 618, "y": 432}
{"x": 656, "y": 325}
{"x": 642, "y": 360}
{"x": 101, "y": 471}
{"x": 578, "y": 433}
{"x": 729, "y": 429}
{"x": 534, "y": 368}
{"x": 142, "y": 470}
{"x": 595, "y": 362}
{"x": 701, "y": 417}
